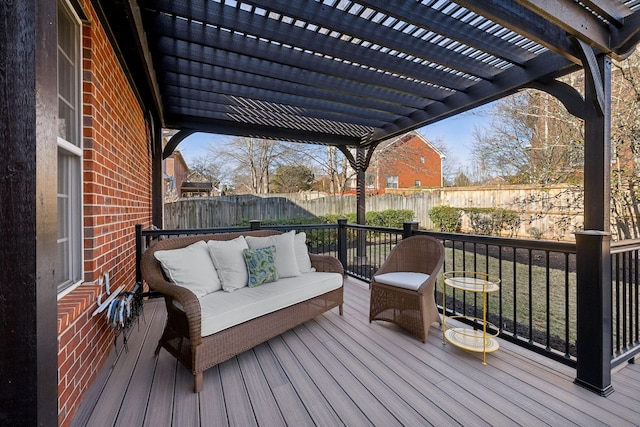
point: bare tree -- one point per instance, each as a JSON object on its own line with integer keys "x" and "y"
{"x": 253, "y": 160}
{"x": 531, "y": 139}
{"x": 555, "y": 149}
{"x": 625, "y": 136}
{"x": 329, "y": 164}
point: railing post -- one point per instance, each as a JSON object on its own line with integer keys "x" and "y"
{"x": 342, "y": 241}
{"x": 409, "y": 227}
{"x": 254, "y": 224}
{"x": 138, "y": 252}
{"x": 593, "y": 258}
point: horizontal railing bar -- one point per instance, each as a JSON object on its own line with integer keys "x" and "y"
{"x": 624, "y": 246}
{"x": 551, "y": 245}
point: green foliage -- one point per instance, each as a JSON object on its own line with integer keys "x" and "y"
{"x": 389, "y": 218}
{"x": 491, "y": 221}
{"x": 446, "y": 218}
{"x": 290, "y": 179}
{"x": 392, "y": 218}
{"x": 395, "y": 218}
{"x": 333, "y": 218}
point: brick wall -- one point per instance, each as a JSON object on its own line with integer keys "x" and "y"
{"x": 117, "y": 195}
{"x": 403, "y": 159}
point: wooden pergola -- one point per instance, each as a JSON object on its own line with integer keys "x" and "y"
{"x": 337, "y": 72}
{"x": 355, "y": 73}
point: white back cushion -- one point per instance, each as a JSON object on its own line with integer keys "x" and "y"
{"x": 228, "y": 259}
{"x": 285, "y": 254}
{"x": 190, "y": 267}
{"x": 302, "y": 253}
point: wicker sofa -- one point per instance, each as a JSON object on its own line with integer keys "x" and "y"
{"x": 183, "y": 334}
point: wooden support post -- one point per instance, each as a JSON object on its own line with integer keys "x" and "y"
{"x": 28, "y": 214}
{"x": 594, "y": 311}
{"x": 593, "y": 256}
{"x": 157, "y": 189}
{"x": 361, "y": 206}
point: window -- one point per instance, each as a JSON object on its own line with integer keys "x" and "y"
{"x": 392, "y": 181}
{"x": 417, "y": 183}
{"x": 69, "y": 263}
{"x": 422, "y": 159}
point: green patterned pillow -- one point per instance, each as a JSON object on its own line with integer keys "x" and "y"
{"x": 261, "y": 265}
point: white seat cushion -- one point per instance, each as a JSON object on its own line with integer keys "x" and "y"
{"x": 221, "y": 310}
{"x": 403, "y": 279}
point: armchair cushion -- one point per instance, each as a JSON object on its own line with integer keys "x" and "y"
{"x": 402, "y": 279}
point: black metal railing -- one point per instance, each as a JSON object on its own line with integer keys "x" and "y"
{"x": 625, "y": 267}
{"x": 536, "y": 304}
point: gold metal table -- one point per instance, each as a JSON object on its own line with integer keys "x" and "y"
{"x": 467, "y": 338}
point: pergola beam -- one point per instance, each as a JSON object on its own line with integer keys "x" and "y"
{"x": 260, "y": 131}
{"x": 522, "y": 20}
{"x": 510, "y": 82}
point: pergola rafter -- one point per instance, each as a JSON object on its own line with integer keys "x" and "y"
{"x": 387, "y": 67}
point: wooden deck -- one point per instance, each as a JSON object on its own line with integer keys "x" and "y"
{"x": 341, "y": 370}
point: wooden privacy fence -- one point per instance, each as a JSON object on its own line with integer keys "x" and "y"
{"x": 555, "y": 212}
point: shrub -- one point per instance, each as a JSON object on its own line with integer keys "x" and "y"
{"x": 394, "y": 218}
{"x": 535, "y": 233}
{"x": 491, "y": 221}
{"x": 446, "y": 218}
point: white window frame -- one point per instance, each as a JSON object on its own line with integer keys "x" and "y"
{"x": 392, "y": 181}
{"x": 72, "y": 195}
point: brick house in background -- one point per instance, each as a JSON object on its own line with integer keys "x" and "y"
{"x": 404, "y": 162}
{"x": 175, "y": 173}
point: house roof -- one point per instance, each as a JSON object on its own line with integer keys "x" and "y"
{"x": 350, "y": 73}
{"x": 409, "y": 136}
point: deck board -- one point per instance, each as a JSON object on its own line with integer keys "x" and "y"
{"x": 159, "y": 410}
{"x": 343, "y": 370}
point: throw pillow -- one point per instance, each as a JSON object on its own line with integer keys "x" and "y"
{"x": 190, "y": 267}
{"x": 229, "y": 261}
{"x": 302, "y": 253}
{"x": 261, "y": 265}
{"x": 285, "y": 254}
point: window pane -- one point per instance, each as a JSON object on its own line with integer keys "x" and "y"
{"x": 63, "y": 268}
{"x": 69, "y": 262}
{"x": 68, "y": 78}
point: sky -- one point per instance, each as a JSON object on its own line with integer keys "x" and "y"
{"x": 456, "y": 133}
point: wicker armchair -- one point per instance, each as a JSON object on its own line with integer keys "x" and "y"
{"x": 402, "y": 290}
